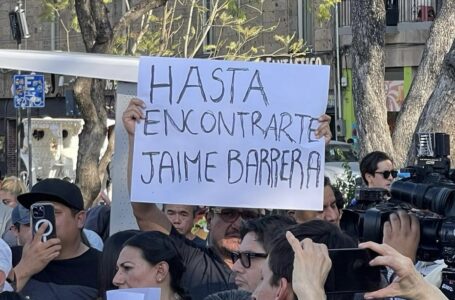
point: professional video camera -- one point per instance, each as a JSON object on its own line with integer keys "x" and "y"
{"x": 428, "y": 185}
{"x": 426, "y": 189}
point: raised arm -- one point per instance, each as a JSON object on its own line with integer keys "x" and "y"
{"x": 148, "y": 216}
{"x": 311, "y": 268}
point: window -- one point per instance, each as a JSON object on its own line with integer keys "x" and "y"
{"x": 305, "y": 17}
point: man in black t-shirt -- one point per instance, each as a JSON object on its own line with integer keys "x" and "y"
{"x": 62, "y": 267}
{"x": 182, "y": 218}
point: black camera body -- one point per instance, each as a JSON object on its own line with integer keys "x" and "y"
{"x": 427, "y": 190}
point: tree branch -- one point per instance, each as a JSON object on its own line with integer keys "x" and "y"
{"x": 104, "y": 38}
{"x": 135, "y": 13}
{"x": 86, "y": 23}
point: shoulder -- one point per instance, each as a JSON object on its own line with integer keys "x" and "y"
{"x": 199, "y": 242}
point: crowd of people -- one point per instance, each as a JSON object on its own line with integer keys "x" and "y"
{"x": 247, "y": 254}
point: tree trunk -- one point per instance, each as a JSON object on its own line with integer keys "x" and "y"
{"x": 442, "y": 34}
{"x": 98, "y": 36}
{"x": 89, "y": 94}
{"x": 439, "y": 113}
{"x": 368, "y": 31}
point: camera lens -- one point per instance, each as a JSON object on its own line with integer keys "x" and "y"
{"x": 38, "y": 212}
{"x": 438, "y": 199}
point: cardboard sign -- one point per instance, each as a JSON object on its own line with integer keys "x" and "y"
{"x": 230, "y": 134}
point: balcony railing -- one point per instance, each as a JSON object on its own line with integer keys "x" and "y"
{"x": 408, "y": 10}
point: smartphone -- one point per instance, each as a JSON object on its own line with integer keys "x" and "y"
{"x": 41, "y": 213}
{"x": 351, "y": 272}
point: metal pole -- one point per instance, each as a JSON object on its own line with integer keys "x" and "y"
{"x": 29, "y": 131}
{"x": 336, "y": 109}
{"x": 29, "y": 146}
{"x": 338, "y": 97}
{"x": 18, "y": 133}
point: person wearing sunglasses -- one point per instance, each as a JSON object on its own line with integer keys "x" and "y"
{"x": 224, "y": 229}
{"x": 257, "y": 235}
{"x": 377, "y": 170}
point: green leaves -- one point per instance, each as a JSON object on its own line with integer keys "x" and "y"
{"x": 347, "y": 183}
{"x": 325, "y": 9}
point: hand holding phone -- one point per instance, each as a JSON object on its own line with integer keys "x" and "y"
{"x": 43, "y": 213}
{"x": 311, "y": 267}
{"x": 408, "y": 282}
{"x": 351, "y": 272}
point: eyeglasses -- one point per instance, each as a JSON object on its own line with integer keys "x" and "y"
{"x": 387, "y": 174}
{"x": 245, "y": 257}
{"x": 229, "y": 215}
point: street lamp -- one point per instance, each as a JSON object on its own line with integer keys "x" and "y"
{"x": 18, "y": 23}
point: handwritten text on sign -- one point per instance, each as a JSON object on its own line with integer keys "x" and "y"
{"x": 226, "y": 133}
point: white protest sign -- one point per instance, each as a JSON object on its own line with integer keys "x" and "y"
{"x": 230, "y": 134}
{"x": 134, "y": 294}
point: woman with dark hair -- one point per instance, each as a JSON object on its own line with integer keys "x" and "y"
{"x": 108, "y": 263}
{"x": 150, "y": 259}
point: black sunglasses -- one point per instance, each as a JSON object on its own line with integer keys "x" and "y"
{"x": 387, "y": 174}
{"x": 229, "y": 215}
{"x": 245, "y": 257}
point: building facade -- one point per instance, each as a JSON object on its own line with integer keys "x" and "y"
{"x": 409, "y": 22}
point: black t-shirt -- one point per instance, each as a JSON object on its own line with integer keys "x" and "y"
{"x": 69, "y": 279}
{"x": 205, "y": 272}
{"x": 199, "y": 242}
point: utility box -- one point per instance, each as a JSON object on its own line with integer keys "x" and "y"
{"x": 54, "y": 145}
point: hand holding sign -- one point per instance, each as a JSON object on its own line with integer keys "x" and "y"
{"x": 324, "y": 128}
{"x": 133, "y": 114}
{"x": 225, "y": 133}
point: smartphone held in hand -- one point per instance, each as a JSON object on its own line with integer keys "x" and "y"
{"x": 43, "y": 213}
{"x": 351, "y": 271}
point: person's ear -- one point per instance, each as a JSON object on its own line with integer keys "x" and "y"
{"x": 284, "y": 289}
{"x": 369, "y": 177}
{"x": 80, "y": 218}
{"x": 161, "y": 271}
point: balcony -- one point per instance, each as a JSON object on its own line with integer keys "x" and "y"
{"x": 403, "y": 11}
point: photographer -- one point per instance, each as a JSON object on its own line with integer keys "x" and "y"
{"x": 312, "y": 265}
{"x": 377, "y": 170}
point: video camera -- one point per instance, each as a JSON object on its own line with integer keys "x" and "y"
{"x": 427, "y": 189}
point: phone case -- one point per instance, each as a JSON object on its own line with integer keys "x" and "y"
{"x": 41, "y": 213}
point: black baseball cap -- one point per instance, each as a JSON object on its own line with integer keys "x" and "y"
{"x": 56, "y": 190}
